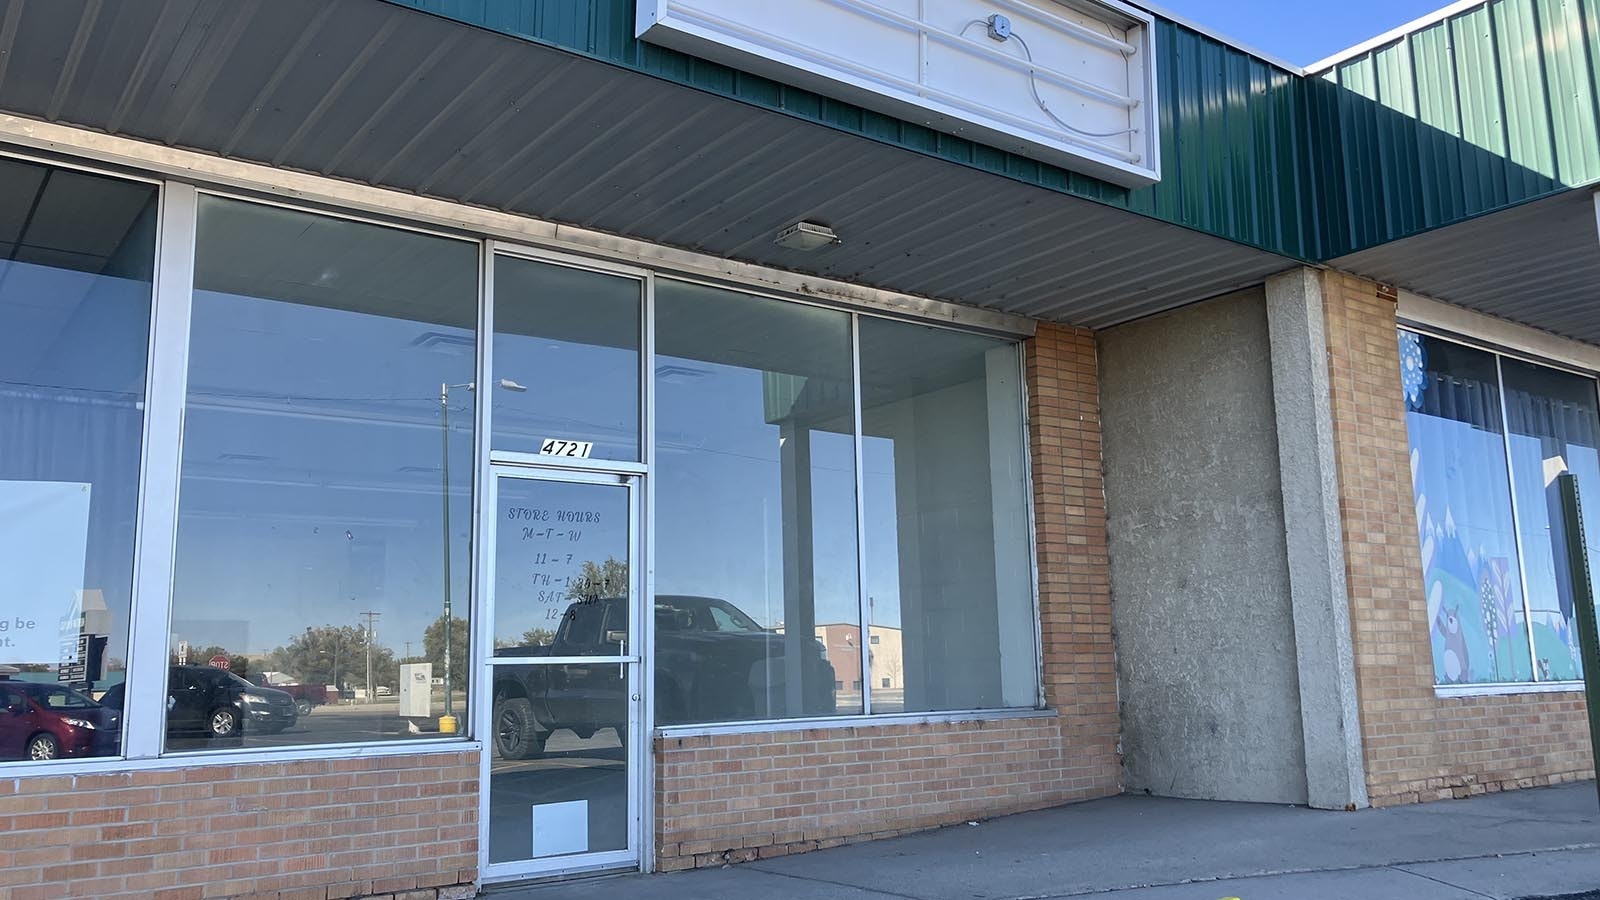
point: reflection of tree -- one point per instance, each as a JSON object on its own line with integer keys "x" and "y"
{"x": 597, "y": 582}
{"x": 891, "y": 670}
{"x": 460, "y": 650}
{"x": 311, "y": 656}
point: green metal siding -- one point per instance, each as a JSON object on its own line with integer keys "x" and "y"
{"x": 1494, "y": 106}
{"x": 1489, "y": 108}
{"x": 1233, "y": 160}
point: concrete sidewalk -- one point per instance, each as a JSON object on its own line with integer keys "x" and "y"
{"x": 1533, "y": 843}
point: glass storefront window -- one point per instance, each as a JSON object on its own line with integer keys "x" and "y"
{"x": 949, "y": 567}
{"x": 1490, "y": 524}
{"x": 1470, "y": 565}
{"x": 1554, "y": 428}
{"x": 324, "y": 513}
{"x": 757, "y": 606}
{"x": 566, "y": 359}
{"x": 326, "y": 482}
{"x": 77, "y": 254}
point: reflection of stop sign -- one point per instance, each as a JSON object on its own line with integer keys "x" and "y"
{"x": 219, "y": 662}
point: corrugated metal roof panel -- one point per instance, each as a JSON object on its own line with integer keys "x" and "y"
{"x": 1491, "y": 107}
{"x": 373, "y": 92}
{"x": 1229, "y": 119}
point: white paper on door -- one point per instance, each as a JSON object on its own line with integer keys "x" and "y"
{"x": 560, "y": 828}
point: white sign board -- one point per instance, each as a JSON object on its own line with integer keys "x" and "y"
{"x": 1068, "y": 82}
{"x": 44, "y": 540}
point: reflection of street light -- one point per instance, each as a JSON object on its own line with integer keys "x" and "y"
{"x": 447, "y": 722}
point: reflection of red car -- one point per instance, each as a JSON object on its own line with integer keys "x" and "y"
{"x": 48, "y": 721}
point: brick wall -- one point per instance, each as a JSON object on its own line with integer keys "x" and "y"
{"x": 736, "y": 797}
{"x": 404, "y": 827}
{"x": 1417, "y": 746}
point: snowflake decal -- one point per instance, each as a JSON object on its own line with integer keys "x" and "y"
{"x": 1413, "y": 374}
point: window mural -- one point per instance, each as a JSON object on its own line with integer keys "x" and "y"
{"x": 1489, "y": 524}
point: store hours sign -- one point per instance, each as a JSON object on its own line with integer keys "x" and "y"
{"x": 559, "y": 543}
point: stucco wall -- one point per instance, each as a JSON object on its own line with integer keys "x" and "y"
{"x": 1200, "y": 583}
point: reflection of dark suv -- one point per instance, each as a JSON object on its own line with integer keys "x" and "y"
{"x": 208, "y": 702}
{"x": 50, "y": 721}
{"x": 713, "y": 663}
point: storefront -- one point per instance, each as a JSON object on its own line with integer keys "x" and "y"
{"x": 443, "y": 448}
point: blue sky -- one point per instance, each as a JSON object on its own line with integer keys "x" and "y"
{"x": 1297, "y": 31}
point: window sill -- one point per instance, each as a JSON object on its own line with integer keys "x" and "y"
{"x": 113, "y": 765}
{"x": 775, "y": 725}
{"x": 1502, "y": 690}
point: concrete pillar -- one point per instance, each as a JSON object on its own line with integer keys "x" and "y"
{"x": 1330, "y": 717}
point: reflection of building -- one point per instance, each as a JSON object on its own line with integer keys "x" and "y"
{"x": 885, "y": 655}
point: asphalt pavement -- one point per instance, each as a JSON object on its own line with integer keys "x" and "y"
{"x": 1543, "y": 842}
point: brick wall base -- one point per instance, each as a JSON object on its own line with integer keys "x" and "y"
{"x": 1417, "y": 745}
{"x": 398, "y": 826}
{"x": 407, "y": 828}
{"x": 739, "y": 797}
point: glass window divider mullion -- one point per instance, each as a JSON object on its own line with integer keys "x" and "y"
{"x": 644, "y": 672}
{"x": 1516, "y": 523}
{"x": 166, "y": 391}
{"x": 480, "y": 623}
{"x": 865, "y": 612}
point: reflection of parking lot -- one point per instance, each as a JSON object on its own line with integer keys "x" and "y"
{"x": 594, "y": 770}
{"x": 330, "y": 724}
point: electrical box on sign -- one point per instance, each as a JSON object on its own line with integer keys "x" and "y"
{"x": 999, "y": 27}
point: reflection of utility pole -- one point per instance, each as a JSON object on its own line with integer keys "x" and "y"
{"x": 372, "y": 636}
{"x": 447, "y": 724}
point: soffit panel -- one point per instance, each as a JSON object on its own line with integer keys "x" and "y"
{"x": 372, "y": 92}
{"x": 1538, "y": 264}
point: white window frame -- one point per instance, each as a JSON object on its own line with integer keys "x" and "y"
{"x": 182, "y": 176}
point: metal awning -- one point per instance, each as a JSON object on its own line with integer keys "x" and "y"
{"x": 1537, "y": 264}
{"x": 379, "y": 94}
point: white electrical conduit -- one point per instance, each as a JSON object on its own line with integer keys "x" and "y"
{"x": 959, "y": 42}
{"x": 1033, "y": 87}
{"x": 912, "y": 87}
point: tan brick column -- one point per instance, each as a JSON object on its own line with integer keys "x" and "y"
{"x": 1074, "y": 573}
{"x": 1418, "y": 746}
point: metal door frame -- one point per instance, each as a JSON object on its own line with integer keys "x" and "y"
{"x": 483, "y": 710}
{"x": 491, "y": 464}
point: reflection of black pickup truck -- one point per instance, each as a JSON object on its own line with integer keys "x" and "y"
{"x": 713, "y": 663}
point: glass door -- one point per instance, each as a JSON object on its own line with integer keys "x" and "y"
{"x": 561, "y": 731}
